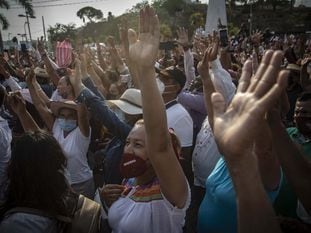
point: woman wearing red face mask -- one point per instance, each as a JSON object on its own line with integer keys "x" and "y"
{"x": 155, "y": 194}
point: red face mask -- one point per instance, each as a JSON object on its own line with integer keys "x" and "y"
{"x": 132, "y": 166}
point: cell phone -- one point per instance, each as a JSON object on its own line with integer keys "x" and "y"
{"x": 223, "y": 36}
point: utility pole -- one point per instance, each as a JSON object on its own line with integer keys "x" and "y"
{"x": 27, "y": 20}
{"x": 43, "y": 28}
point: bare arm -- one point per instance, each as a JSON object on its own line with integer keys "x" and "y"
{"x": 235, "y": 130}
{"x": 48, "y": 64}
{"x": 18, "y": 105}
{"x": 296, "y": 166}
{"x": 83, "y": 120}
{"x": 160, "y": 151}
{"x": 41, "y": 107}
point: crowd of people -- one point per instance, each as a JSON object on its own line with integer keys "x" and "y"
{"x": 201, "y": 137}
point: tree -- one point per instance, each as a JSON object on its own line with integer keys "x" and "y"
{"x": 4, "y": 22}
{"x": 61, "y": 31}
{"x": 5, "y": 4}
{"x": 90, "y": 13}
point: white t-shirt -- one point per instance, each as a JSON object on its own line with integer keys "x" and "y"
{"x": 75, "y": 147}
{"x": 205, "y": 154}
{"x": 180, "y": 120}
{"x": 144, "y": 209}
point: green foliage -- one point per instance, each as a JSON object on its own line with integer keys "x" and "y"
{"x": 138, "y": 6}
{"x": 166, "y": 31}
{"x": 5, "y": 4}
{"x": 197, "y": 19}
{"x": 61, "y": 31}
{"x": 233, "y": 30}
{"x": 90, "y": 13}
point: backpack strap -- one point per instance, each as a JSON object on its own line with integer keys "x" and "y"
{"x": 87, "y": 216}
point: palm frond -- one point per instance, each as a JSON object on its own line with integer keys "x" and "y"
{"x": 27, "y": 4}
{"x": 4, "y": 22}
{"x": 4, "y": 4}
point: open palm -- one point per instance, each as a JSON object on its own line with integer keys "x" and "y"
{"x": 144, "y": 50}
{"x": 235, "y": 128}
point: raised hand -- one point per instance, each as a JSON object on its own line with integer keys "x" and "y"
{"x": 75, "y": 77}
{"x": 144, "y": 50}
{"x": 256, "y": 38}
{"x": 123, "y": 30}
{"x": 236, "y": 127}
{"x": 203, "y": 65}
{"x": 212, "y": 50}
{"x": 40, "y": 46}
{"x": 17, "y": 103}
{"x": 31, "y": 77}
{"x": 183, "y": 39}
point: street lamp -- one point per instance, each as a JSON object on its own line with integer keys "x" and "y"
{"x": 27, "y": 18}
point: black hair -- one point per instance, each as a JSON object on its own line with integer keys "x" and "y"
{"x": 36, "y": 176}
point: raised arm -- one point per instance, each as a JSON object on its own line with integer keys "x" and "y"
{"x": 295, "y": 165}
{"x": 235, "y": 129}
{"x": 160, "y": 151}
{"x": 48, "y": 63}
{"x": 40, "y": 105}
{"x": 83, "y": 120}
{"x": 183, "y": 40}
{"x": 97, "y": 106}
{"x": 18, "y": 105}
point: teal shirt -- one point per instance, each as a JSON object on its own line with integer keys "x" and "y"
{"x": 218, "y": 210}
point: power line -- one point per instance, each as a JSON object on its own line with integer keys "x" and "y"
{"x": 39, "y": 2}
{"x": 62, "y": 4}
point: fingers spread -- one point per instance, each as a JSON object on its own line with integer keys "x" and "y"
{"x": 261, "y": 70}
{"x": 274, "y": 93}
{"x": 268, "y": 79}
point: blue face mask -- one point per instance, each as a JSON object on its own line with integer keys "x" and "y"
{"x": 67, "y": 125}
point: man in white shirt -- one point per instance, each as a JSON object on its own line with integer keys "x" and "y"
{"x": 178, "y": 118}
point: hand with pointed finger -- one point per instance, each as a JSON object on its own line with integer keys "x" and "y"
{"x": 236, "y": 126}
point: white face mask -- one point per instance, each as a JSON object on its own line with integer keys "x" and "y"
{"x": 161, "y": 85}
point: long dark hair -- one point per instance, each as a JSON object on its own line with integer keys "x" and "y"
{"x": 36, "y": 176}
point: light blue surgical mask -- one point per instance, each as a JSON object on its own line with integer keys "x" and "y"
{"x": 67, "y": 125}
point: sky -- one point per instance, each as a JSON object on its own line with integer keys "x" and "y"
{"x": 58, "y": 11}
